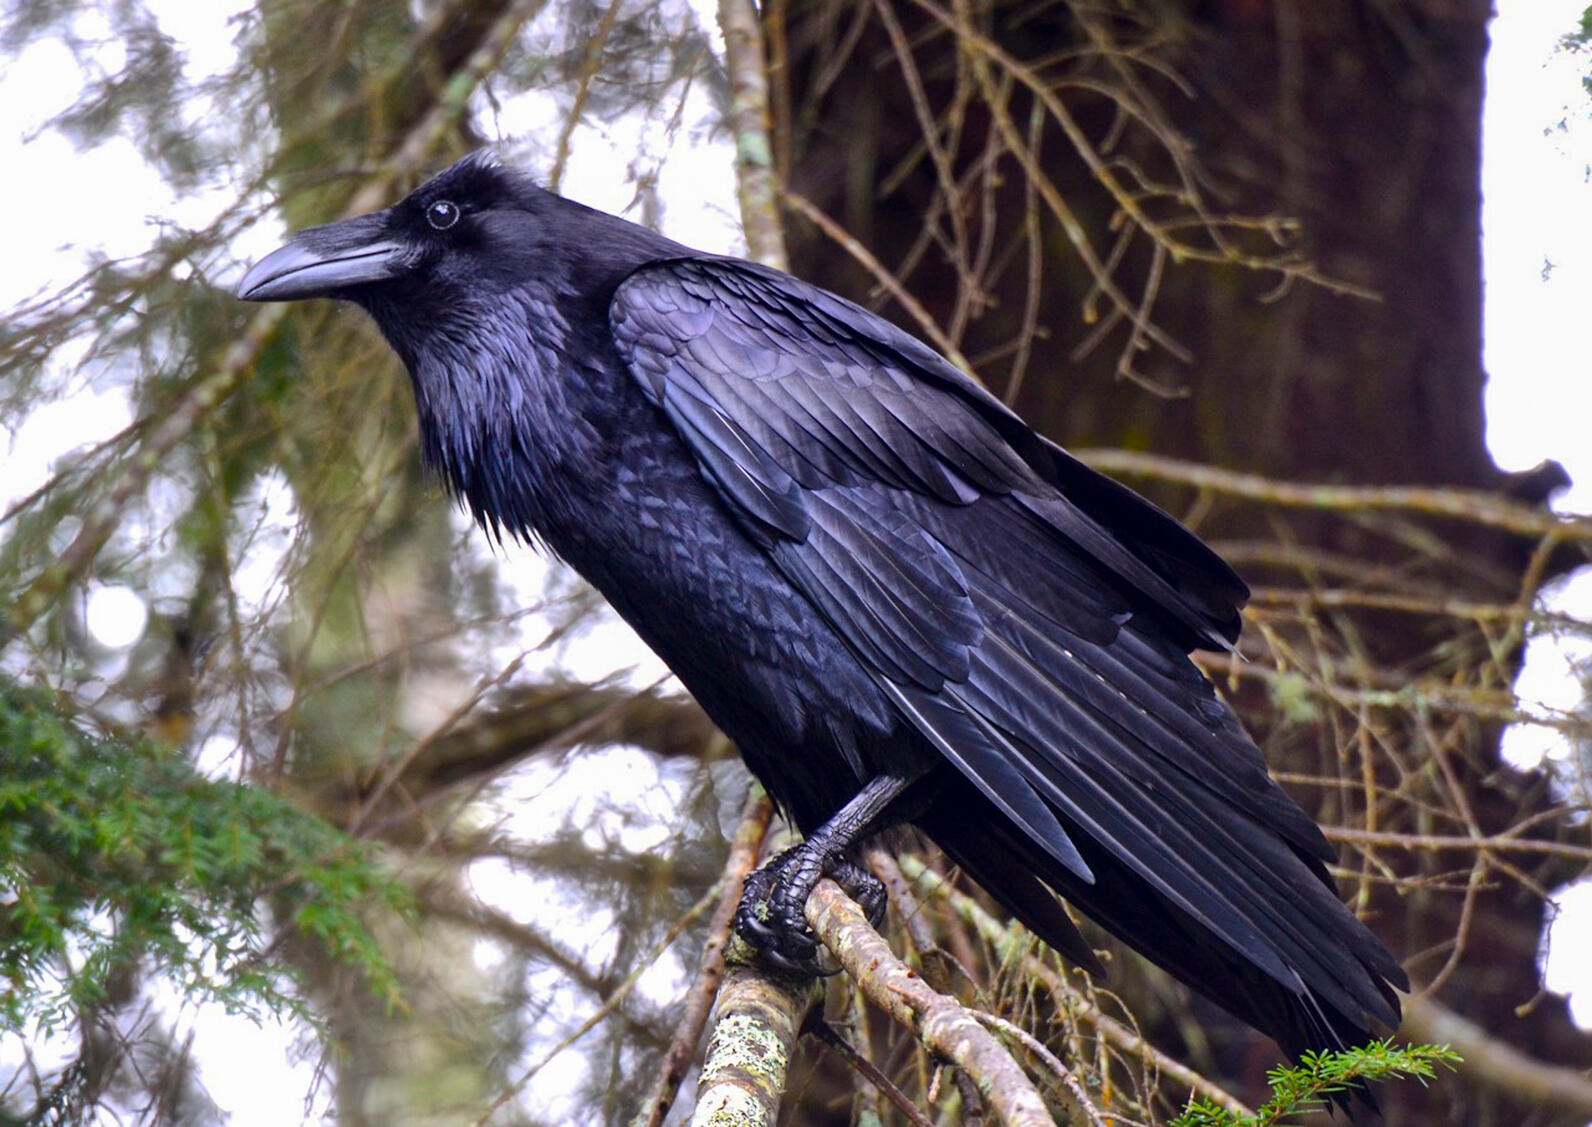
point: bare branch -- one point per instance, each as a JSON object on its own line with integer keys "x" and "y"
{"x": 609, "y": 1006}
{"x": 948, "y": 1030}
{"x": 1495, "y": 1064}
{"x": 754, "y": 1034}
{"x": 710, "y": 966}
{"x": 1470, "y": 505}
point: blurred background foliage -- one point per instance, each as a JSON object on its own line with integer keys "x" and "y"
{"x": 283, "y": 735}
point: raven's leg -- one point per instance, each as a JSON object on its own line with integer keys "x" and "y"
{"x": 772, "y": 915}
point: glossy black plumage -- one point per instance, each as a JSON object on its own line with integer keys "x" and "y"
{"x": 863, "y": 565}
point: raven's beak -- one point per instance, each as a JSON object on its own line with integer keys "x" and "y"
{"x": 319, "y": 261}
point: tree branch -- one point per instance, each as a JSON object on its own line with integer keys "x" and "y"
{"x": 941, "y": 1023}
{"x": 1000, "y": 936}
{"x": 862, "y": 1066}
{"x": 1469, "y": 505}
{"x": 710, "y": 966}
{"x": 208, "y": 392}
{"x": 754, "y": 152}
{"x": 754, "y": 1035}
{"x": 609, "y": 1006}
{"x": 1492, "y": 1063}
{"x": 559, "y": 714}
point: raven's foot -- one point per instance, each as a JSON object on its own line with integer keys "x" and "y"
{"x": 772, "y": 916}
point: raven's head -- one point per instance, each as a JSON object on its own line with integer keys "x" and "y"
{"x": 475, "y": 223}
{"x": 479, "y": 279}
{"x": 455, "y": 252}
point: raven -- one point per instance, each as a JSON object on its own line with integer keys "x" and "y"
{"x": 900, "y": 603}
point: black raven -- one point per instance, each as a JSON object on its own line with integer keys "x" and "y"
{"x": 899, "y": 602}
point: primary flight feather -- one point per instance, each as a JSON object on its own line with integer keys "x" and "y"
{"x": 897, "y": 600}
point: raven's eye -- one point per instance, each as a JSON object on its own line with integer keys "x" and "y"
{"x": 442, "y": 214}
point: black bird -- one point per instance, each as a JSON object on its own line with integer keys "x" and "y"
{"x": 900, "y": 602}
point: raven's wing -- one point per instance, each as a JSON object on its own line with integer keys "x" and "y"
{"x": 1028, "y": 616}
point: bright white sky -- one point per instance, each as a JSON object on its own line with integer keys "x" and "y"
{"x": 1537, "y": 185}
{"x": 1537, "y": 181}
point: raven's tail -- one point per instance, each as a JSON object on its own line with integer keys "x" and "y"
{"x": 1300, "y": 1016}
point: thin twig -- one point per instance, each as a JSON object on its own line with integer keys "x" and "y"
{"x": 610, "y": 1004}
{"x": 590, "y": 64}
{"x": 887, "y": 280}
{"x": 865, "y": 1068}
{"x": 1000, "y": 936}
{"x": 1051, "y": 1061}
{"x": 208, "y": 392}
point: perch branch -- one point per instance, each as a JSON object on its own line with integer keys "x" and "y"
{"x": 754, "y": 1034}
{"x": 941, "y": 1023}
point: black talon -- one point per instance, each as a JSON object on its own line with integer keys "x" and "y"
{"x": 863, "y": 887}
{"x": 772, "y": 916}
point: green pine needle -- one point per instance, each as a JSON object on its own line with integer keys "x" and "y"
{"x": 118, "y": 859}
{"x": 1308, "y": 1085}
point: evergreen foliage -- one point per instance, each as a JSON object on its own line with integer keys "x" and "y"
{"x": 116, "y": 854}
{"x": 1319, "y": 1077}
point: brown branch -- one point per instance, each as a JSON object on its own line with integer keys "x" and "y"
{"x": 394, "y": 770}
{"x": 1002, "y": 938}
{"x": 710, "y": 966}
{"x": 591, "y": 63}
{"x": 995, "y": 97}
{"x": 1031, "y": 1044}
{"x": 862, "y": 1066}
{"x": 985, "y": 52}
{"x": 941, "y": 1023}
{"x": 525, "y": 722}
{"x": 1503, "y": 843}
{"x": 754, "y": 1035}
{"x": 929, "y": 130}
{"x": 888, "y": 281}
{"x": 559, "y": 714}
{"x": 452, "y": 103}
{"x": 1304, "y": 601}
{"x": 1491, "y": 1063}
{"x": 1462, "y": 504}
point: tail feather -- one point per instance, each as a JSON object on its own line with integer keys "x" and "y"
{"x": 1300, "y": 1017}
